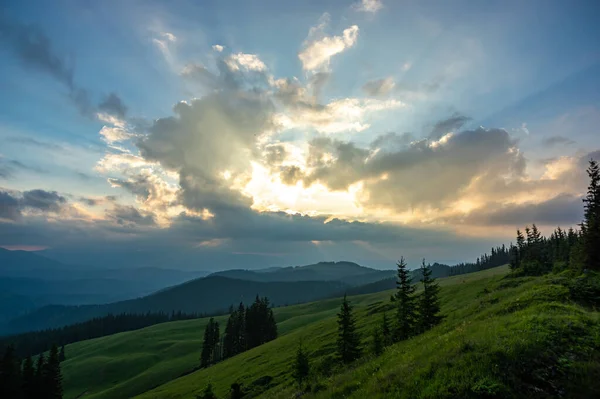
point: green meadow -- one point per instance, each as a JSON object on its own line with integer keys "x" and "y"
{"x": 501, "y": 337}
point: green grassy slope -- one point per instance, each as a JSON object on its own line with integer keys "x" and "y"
{"x": 130, "y": 363}
{"x": 501, "y": 338}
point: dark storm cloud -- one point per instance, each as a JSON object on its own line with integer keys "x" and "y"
{"x": 129, "y": 215}
{"x": 113, "y": 105}
{"x": 35, "y": 51}
{"x": 451, "y": 124}
{"x": 564, "y": 210}
{"x": 9, "y": 206}
{"x": 43, "y": 200}
{"x": 557, "y": 140}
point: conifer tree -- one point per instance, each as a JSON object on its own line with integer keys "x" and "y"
{"x": 208, "y": 345}
{"x": 591, "y": 223}
{"x": 61, "y": 355}
{"x": 236, "y": 391}
{"x": 386, "y": 330}
{"x": 228, "y": 339}
{"x": 377, "y": 343}
{"x": 40, "y": 382}
{"x": 405, "y": 303}
{"x": 52, "y": 376}
{"x": 301, "y": 365}
{"x": 429, "y": 306}
{"x": 10, "y": 374}
{"x": 348, "y": 341}
{"x": 28, "y": 373}
{"x": 207, "y": 393}
{"x": 240, "y": 330}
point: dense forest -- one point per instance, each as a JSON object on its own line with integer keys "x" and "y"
{"x": 247, "y": 327}
{"x": 32, "y": 343}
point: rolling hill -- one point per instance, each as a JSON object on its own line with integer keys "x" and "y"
{"x": 500, "y": 338}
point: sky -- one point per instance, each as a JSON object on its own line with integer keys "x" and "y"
{"x": 234, "y": 134}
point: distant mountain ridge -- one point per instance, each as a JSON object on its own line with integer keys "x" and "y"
{"x": 346, "y": 272}
{"x": 29, "y": 280}
{"x": 204, "y": 295}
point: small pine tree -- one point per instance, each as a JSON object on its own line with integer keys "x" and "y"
{"x": 52, "y": 376}
{"x": 377, "y": 343}
{"x": 10, "y": 374}
{"x": 40, "y": 383}
{"x": 429, "y": 306}
{"x": 301, "y": 366}
{"x": 236, "y": 391}
{"x": 405, "y": 303}
{"x": 207, "y": 393}
{"x": 61, "y": 355}
{"x": 29, "y": 389}
{"x": 386, "y": 330}
{"x": 348, "y": 342}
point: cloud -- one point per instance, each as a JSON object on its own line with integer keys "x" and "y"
{"x": 318, "y": 48}
{"x": 421, "y": 173}
{"x": 379, "y": 87}
{"x": 8, "y": 168}
{"x": 9, "y": 206}
{"x": 338, "y": 116}
{"x": 36, "y": 143}
{"x": 47, "y": 201}
{"x": 249, "y": 62}
{"x": 218, "y": 48}
{"x": 564, "y": 209}
{"x": 369, "y": 6}
{"x": 113, "y": 105}
{"x": 448, "y": 125}
{"x": 163, "y": 42}
{"x": 34, "y": 50}
{"x": 130, "y": 216}
{"x": 556, "y": 140}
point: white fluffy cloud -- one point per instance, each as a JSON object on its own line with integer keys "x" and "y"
{"x": 319, "y": 48}
{"x": 249, "y": 62}
{"x": 345, "y": 115}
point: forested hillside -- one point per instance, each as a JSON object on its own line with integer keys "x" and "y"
{"x": 206, "y": 295}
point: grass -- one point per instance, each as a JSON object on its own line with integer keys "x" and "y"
{"x": 496, "y": 333}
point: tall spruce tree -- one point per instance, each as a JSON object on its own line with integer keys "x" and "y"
{"x": 52, "y": 376}
{"x": 386, "y": 330}
{"x": 301, "y": 365}
{"x": 429, "y": 305}
{"x": 236, "y": 391}
{"x": 211, "y": 339}
{"x": 61, "y": 354}
{"x": 377, "y": 342}
{"x": 10, "y": 374}
{"x": 40, "y": 383}
{"x": 348, "y": 341}
{"x": 590, "y": 227}
{"x": 229, "y": 338}
{"x": 28, "y": 378}
{"x": 405, "y": 303}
